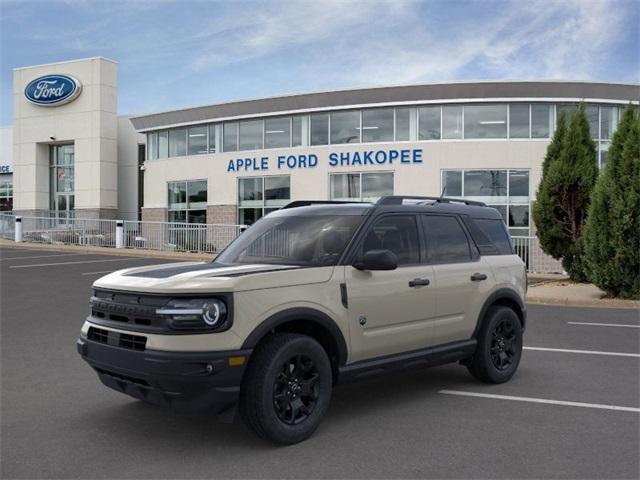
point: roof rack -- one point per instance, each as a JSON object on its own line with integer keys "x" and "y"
{"x": 399, "y": 199}
{"x": 306, "y": 203}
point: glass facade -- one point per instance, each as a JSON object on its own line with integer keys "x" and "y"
{"x": 384, "y": 124}
{"x": 62, "y": 179}
{"x": 360, "y": 187}
{"x": 187, "y": 201}
{"x": 6, "y": 192}
{"x": 258, "y": 196}
{"x": 506, "y": 190}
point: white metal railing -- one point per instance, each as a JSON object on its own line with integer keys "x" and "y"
{"x": 7, "y": 226}
{"x": 528, "y": 248}
{"x": 185, "y": 237}
{"x": 69, "y": 231}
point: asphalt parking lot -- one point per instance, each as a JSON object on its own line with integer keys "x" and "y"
{"x": 571, "y": 411}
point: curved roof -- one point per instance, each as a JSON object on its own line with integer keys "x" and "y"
{"x": 408, "y": 94}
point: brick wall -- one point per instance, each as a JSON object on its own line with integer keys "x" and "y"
{"x": 154, "y": 214}
{"x": 225, "y": 214}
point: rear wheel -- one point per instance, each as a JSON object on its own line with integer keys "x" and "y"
{"x": 287, "y": 388}
{"x": 499, "y": 347}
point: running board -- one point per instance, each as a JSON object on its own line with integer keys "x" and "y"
{"x": 426, "y": 357}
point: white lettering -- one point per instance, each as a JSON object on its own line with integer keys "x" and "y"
{"x": 45, "y": 89}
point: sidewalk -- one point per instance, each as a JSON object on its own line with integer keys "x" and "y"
{"x": 565, "y": 292}
{"x": 127, "y": 252}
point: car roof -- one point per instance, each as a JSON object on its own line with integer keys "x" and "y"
{"x": 300, "y": 208}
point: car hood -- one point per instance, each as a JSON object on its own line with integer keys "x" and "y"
{"x": 200, "y": 277}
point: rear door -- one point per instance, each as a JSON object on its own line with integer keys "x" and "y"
{"x": 390, "y": 311}
{"x": 462, "y": 278}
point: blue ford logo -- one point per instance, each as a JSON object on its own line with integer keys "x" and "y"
{"x": 53, "y": 90}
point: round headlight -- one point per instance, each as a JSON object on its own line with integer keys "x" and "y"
{"x": 213, "y": 313}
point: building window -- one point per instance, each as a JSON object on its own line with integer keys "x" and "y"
{"x": 197, "y": 140}
{"x": 485, "y": 121}
{"x": 519, "y": 120}
{"x": 163, "y": 144}
{"x": 608, "y": 122}
{"x": 258, "y": 196}
{"x": 6, "y": 192}
{"x": 62, "y": 175}
{"x": 212, "y": 138}
{"x": 320, "y": 129}
{"x": 360, "y": 187}
{"x": 377, "y": 125}
{"x": 452, "y": 121}
{"x": 429, "y": 123}
{"x": 403, "y": 124}
{"x": 188, "y": 201}
{"x": 251, "y": 135}
{"x": 277, "y": 132}
{"x": 345, "y": 127}
{"x": 152, "y": 146}
{"x": 508, "y": 191}
{"x": 541, "y": 120}
{"x": 178, "y": 142}
{"x": 230, "y": 137}
{"x": 296, "y": 131}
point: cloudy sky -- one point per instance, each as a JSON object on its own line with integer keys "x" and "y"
{"x": 174, "y": 54}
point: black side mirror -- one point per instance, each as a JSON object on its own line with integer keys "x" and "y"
{"x": 377, "y": 260}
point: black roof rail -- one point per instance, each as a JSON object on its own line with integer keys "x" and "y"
{"x": 399, "y": 199}
{"x": 306, "y": 203}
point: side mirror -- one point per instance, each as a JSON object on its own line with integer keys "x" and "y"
{"x": 377, "y": 260}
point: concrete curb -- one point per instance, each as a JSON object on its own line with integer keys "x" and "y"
{"x": 590, "y": 303}
{"x": 126, "y": 252}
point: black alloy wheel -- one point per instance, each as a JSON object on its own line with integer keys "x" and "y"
{"x": 503, "y": 344}
{"x": 296, "y": 390}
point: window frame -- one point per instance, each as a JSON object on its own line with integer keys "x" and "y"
{"x": 360, "y": 173}
{"x": 186, "y": 210}
{"x": 263, "y": 201}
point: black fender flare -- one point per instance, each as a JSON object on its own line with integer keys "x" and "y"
{"x": 300, "y": 313}
{"x": 500, "y": 294}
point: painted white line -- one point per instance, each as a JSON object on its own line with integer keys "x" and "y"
{"x": 588, "y": 352}
{"x": 41, "y": 256}
{"x": 75, "y": 263}
{"x": 605, "y": 324}
{"x": 96, "y": 273}
{"x": 541, "y": 400}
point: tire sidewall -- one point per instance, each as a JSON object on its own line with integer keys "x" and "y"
{"x": 276, "y": 428}
{"x": 496, "y": 316}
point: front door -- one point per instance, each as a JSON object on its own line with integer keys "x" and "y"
{"x": 390, "y": 311}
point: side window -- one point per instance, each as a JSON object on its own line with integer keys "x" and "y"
{"x": 446, "y": 240}
{"x": 496, "y": 231}
{"x": 397, "y": 233}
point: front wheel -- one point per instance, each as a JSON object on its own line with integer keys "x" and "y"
{"x": 499, "y": 347}
{"x": 287, "y": 388}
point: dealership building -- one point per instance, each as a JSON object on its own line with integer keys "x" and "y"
{"x": 69, "y": 151}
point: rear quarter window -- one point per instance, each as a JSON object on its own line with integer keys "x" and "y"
{"x": 496, "y": 232}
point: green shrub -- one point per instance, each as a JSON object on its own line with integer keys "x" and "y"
{"x": 612, "y": 233}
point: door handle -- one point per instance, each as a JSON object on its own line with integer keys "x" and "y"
{"x": 419, "y": 282}
{"x": 478, "y": 277}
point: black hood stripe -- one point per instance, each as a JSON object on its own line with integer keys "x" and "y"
{"x": 171, "y": 271}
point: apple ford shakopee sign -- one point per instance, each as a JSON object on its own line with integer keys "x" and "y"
{"x": 53, "y": 90}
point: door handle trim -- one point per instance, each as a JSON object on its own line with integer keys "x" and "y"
{"x": 478, "y": 277}
{"x": 419, "y": 282}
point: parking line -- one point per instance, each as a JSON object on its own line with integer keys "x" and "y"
{"x": 42, "y": 256}
{"x": 605, "y": 324}
{"x": 588, "y": 352}
{"x": 75, "y": 263}
{"x": 540, "y": 400}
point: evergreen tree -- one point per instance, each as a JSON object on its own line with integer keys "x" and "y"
{"x": 612, "y": 233}
{"x": 563, "y": 197}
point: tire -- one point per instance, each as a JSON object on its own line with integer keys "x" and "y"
{"x": 286, "y": 389}
{"x": 499, "y": 346}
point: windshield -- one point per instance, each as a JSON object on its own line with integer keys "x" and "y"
{"x": 311, "y": 241}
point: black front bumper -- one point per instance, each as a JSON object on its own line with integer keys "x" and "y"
{"x": 185, "y": 381}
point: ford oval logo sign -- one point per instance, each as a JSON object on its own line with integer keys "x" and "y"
{"x": 53, "y": 90}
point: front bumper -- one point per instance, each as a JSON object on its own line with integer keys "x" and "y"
{"x": 184, "y": 381}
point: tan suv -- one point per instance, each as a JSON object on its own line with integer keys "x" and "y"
{"x": 315, "y": 294}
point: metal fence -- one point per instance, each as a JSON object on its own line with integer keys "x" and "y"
{"x": 528, "y": 248}
{"x": 181, "y": 237}
{"x": 7, "y": 226}
{"x": 69, "y": 231}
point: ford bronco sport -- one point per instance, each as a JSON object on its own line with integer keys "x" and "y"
{"x": 312, "y": 295}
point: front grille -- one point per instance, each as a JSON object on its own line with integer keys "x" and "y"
{"x": 122, "y": 340}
